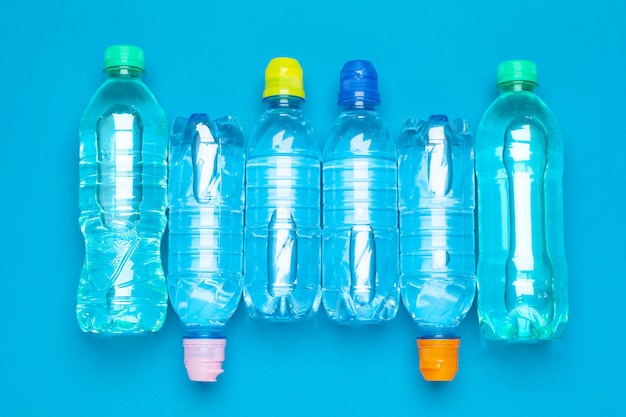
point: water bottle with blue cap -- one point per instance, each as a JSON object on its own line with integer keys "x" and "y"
{"x": 360, "y": 218}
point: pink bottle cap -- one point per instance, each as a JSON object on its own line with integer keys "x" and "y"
{"x": 204, "y": 358}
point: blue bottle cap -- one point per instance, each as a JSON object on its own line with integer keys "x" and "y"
{"x": 358, "y": 81}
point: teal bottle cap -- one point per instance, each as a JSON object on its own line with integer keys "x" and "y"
{"x": 517, "y": 70}
{"x": 123, "y": 56}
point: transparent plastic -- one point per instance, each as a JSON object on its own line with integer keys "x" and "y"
{"x": 522, "y": 271}
{"x": 282, "y": 233}
{"x": 360, "y": 233}
{"x": 436, "y": 201}
{"x": 437, "y": 258}
{"x": 205, "y": 231}
{"x": 122, "y": 200}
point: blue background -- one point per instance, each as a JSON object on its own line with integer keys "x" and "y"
{"x": 432, "y": 57}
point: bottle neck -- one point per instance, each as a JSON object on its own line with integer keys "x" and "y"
{"x": 283, "y": 101}
{"x": 360, "y": 104}
{"x": 124, "y": 72}
{"x": 517, "y": 86}
{"x": 204, "y": 332}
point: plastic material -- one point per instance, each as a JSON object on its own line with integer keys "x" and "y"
{"x": 122, "y": 199}
{"x": 123, "y": 56}
{"x": 205, "y": 227}
{"x": 437, "y": 260}
{"x": 204, "y": 358}
{"x": 517, "y": 70}
{"x": 359, "y": 81}
{"x": 522, "y": 272}
{"x": 283, "y": 76}
{"x": 360, "y": 243}
{"x": 438, "y": 358}
{"x": 282, "y": 233}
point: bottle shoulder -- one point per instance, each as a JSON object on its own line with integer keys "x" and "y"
{"x": 516, "y": 108}
{"x": 282, "y": 130}
{"x": 517, "y": 104}
{"x": 126, "y": 92}
{"x": 359, "y": 132}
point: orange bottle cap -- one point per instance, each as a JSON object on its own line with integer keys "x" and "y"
{"x": 439, "y": 358}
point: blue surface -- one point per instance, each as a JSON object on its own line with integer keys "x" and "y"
{"x": 434, "y": 57}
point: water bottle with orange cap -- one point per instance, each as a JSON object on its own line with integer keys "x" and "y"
{"x": 282, "y": 260}
{"x": 437, "y": 261}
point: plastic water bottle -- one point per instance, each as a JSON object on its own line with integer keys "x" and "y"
{"x": 522, "y": 273}
{"x": 205, "y": 235}
{"x": 122, "y": 199}
{"x": 282, "y": 232}
{"x": 360, "y": 233}
{"x": 437, "y": 260}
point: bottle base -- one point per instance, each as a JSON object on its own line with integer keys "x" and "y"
{"x": 278, "y": 318}
{"x": 284, "y": 308}
{"x": 516, "y": 332}
{"x": 121, "y": 319}
{"x": 341, "y": 307}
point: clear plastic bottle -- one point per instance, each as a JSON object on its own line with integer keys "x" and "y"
{"x": 437, "y": 259}
{"x": 282, "y": 217}
{"x": 360, "y": 232}
{"x": 205, "y": 235}
{"x": 522, "y": 272}
{"x": 122, "y": 199}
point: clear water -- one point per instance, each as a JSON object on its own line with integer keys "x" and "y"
{"x": 360, "y": 232}
{"x": 122, "y": 200}
{"x": 436, "y": 202}
{"x": 282, "y": 217}
{"x": 205, "y": 258}
{"x": 522, "y": 272}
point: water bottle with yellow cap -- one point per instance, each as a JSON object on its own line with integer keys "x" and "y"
{"x": 282, "y": 260}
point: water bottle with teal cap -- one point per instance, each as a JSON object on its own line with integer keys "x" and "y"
{"x": 522, "y": 272}
{"x": 122, "y": 200}
{"x": 282, "y": 218}
{"x": 205, "y": 235}
{"x": 360, "y": 226}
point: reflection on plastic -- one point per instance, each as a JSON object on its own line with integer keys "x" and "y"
{"x": 528, "y": 268}
{"x": 206, "y": 173}
{"x": 362, "y": 264}
{"x": 119, "y": 193}
{"x": 282, "y": 253}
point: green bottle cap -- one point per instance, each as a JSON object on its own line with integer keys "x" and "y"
{"x": 123, "y": 56}
{"x": 517, "y": 70}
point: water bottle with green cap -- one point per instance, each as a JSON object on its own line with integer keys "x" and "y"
{"x": 122, "y": 200}
{"x": 282, "y": 260}
{"x": 522, "y": 272}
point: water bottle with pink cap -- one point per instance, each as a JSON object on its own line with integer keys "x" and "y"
{"x": 205, "y": 235}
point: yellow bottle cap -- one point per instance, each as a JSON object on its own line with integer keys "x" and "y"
{"x": 283, "y": 76}
{"x": 439, "y": 358}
